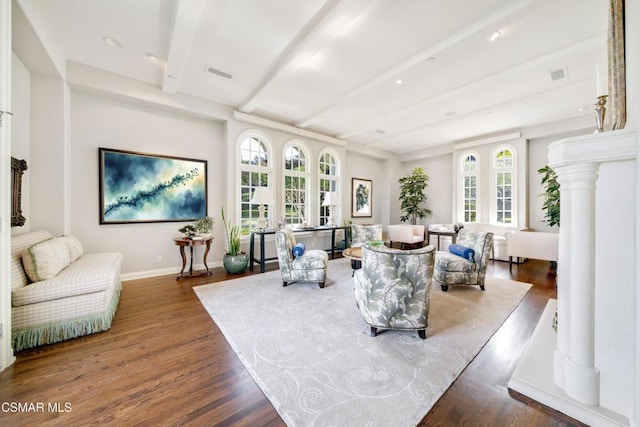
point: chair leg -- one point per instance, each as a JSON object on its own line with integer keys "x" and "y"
{"x": 374, "y": 331}
{"x": 422, "y": 333}
{"x": 321, "y": 284}
{"x": 482, "y": 287}
{"x": 445, "y": 288}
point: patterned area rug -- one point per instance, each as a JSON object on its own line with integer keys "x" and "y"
{"x": 311, "y": 354}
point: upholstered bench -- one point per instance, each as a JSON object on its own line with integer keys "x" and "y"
{"x": 49, "y": 306}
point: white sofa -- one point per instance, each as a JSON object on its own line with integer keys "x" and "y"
{"x": 534, "y": 245}
{"x": 79, "y": 299}
{"x": 501, "y": 234}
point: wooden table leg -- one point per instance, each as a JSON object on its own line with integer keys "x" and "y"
{"x": 184, "y": 262}
{"x": 206, "y": 252}
{"x": 191, "y": 262}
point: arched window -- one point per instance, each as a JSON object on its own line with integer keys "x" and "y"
{"x": 296, "y": 184}
{"x": 329, "y": 175}
{"x": 469, "y": 180}
{"x": 255, "y": 171}
{"x": 504, "y": 173}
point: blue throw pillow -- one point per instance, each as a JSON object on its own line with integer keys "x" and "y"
{"x": 298, "y": 249}
{"x": 462, "y": 251}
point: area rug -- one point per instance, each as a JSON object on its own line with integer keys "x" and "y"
{"x": 311, "y": 353}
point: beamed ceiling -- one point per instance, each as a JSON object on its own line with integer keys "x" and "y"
{"x": 396, "y": 75}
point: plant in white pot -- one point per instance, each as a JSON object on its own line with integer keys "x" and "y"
{"x": 204, "y": 226}
{"x": 234, "y": 261}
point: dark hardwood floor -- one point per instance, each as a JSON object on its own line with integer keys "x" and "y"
{"x": 164, "y": 362}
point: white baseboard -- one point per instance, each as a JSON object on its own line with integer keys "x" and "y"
{"x": 164, "y": 271}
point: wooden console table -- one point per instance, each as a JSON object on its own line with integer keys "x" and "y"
{"x": 182, "y": 242}
{"x": 261, "y": 233}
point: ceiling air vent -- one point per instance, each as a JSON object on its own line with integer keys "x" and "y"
{"x": 217, "y": 72}
{"x": 558, "y": 74}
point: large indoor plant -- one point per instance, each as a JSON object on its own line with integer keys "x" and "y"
{"x": 412, "y": 195}
{"x": 234, "y": 261}
{"x": 551, "y": 205}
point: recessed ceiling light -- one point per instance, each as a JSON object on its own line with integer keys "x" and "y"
{"x": 399, "y": 81}
{"x": 582, "y": 109}
{"x": 152, "y": 57}
{"x": 431, "y": 58}
{"x": 450, "y": 114}
{"x": 380, "y": 131}
{"x": 111, "y": 41}
{"x": 495, "y": 36}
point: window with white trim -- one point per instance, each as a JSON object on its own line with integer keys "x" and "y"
{"x": 296, "y": 181}
{"x": 504, "y": 188}
{"x": 469, "y": 179}
{"x": 329, "y": 174}
{"x": 255, "y": 171}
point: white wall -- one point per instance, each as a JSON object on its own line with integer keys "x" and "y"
{"x": 101, "y": 122}
{"x": 47, "y": 155}
{"x": 20, "y": 132}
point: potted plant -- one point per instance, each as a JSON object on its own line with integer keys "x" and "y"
{"x": 204, "y": 226}
{"x": 551, "y": 194}
{"x": 234, "y": 261}
{"x": 412, "y": 196}
{"x": 188, "y": 231}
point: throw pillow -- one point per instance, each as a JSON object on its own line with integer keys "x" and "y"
{"x": 44, "y": 260}
{"x": 75, "y": 247}
{"x": 463, "y": 251}
{"x": 298, "y": 249}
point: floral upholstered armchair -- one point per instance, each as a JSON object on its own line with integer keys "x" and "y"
{"x": 309, "y": 266}
{"x": 393, "y": 288}
{"x": 452, "y": 269}
{"x": 364, "y": 233}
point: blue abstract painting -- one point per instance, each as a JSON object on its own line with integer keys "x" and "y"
{"x": 137, "y": 187}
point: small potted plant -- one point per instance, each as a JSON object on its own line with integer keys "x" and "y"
{"x": 234, "y": 261}
{"x": 204, "y": 226}
{"x": 188, "y": 231}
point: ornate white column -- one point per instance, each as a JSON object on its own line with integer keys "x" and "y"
{"x": 574, "y": 369}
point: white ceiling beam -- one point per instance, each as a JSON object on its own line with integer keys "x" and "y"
{"x": 468, "y": 31}
{"x": 469, "y": 113}
{"x": 185, "y": 24}
{"x": 581, "y": 46}
{"x": 302, "y": 40}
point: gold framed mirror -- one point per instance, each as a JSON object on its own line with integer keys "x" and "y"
{"x": 17, "y": 169}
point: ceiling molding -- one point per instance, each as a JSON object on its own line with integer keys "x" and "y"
{"x": 487, "y": 140}
{"x": 468, "y": 31}
{"x": 186, "y": 17}
{"x": 272, "y": 124}
{"x": 325, "y": 15}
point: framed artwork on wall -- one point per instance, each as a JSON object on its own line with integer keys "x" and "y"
{"x": 361, "y": 198}
{"x": 140, "y": 187}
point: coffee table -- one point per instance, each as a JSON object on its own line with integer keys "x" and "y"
{"x": 355, "y": 255}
